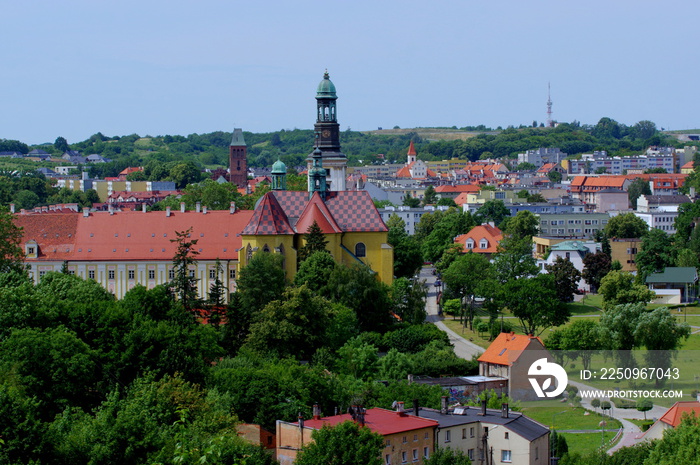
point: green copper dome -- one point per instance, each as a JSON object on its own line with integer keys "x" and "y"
{"x": 279, "y": 167}
{"x": 326, "y": 89}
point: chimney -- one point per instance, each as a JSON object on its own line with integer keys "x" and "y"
{"x": 143, "y": 207}
{"x": 232, "y": 209}
{"x": 198, "y": 207}
{"x": 443, "y": 405}
{"x": 111, "y": 210}
{"x": 399, "y": 408}
{"x": 86, "y": 212}
{"x": 416, "y": 407}
{"x": 167, "y": 211}
{"x": 182, "y": 207}
{"x": 12, "y": 208}
{"x": 504, "y": 411}
{"x": 204, "y": 210}
{"x": 317, "y": 412}
{"x": 483, "y": 408}
{"x": 361, "y": 416}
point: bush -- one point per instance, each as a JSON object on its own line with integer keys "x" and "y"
{"x": 413, "y": 339}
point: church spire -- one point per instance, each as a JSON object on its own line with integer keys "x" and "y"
{"x": 317, "y": 175}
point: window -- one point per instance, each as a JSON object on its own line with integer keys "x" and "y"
{"x": 505, "y": 456}
{"x": 110, "y": 274}
{"x": 415, "y": 455}
{"x": 426, "y": 452}
{"x": 91, "y": 274}
{"x": 387, "y": 459}
{"x": 403, "y": 457}
{"x": 471, "y": 432}
{"x": 568, "y": 255}
{"x": 388, "y": 442}
{"x": 131, "y": 274}
{"x": 470, "y": 454}
{"x": 470, "y": 243}
{"x": 506, "y": 435}
{"x": 484, "y": 244}
{"x": 537, "y": 453}
{"x": 426, "y": 435}
{"x": 360, "y": 250}
{"x": 212, "y": 273}
{"x": 41, "y": 274}
{"x": 191, "y": 273}
{"x": 232, "y": 274}
{"x": 464, "y": 433}
{"x": 544, "y": 222}
{"x": 404, "y": 440}
{"x": 171, "y": 274}
{"x": 30, "y": 250}
{"x": 415, "y": 437}
{"x": 447, "y": 436}
{"x": 151, "y": 274}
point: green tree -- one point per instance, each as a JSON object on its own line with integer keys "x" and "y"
{"x": 447, "y": 456}
{"x": 464, "y": 279}
{"x": 554, "y": 176}
{"x": 314, "y": 241}
{"x": 655, "y": 254}
{"x": 687, "y": 258}
{"x": 566, "y": 278}
{"x": 451, "y": 224}
{"x": 344, "y": 444}
{"x": 534, "y": 302}
{"x": 61, "y": 144}
{"x": 685, "y": 223}
{"x": 492, "y": 210}
{"x": 11, "y": 254}
{"x": 185, "y": 283}
{"x": 626, "y": 225}
{"x": 514, "y": 259}
{"x": 184, "y": 173}
{"x": 410, "y": 201}
{"x": 580, "y": 338}
{"x": 407, "y": 252}
{"x": 430, "y": 196}
{"x": 409, "y": 299}
{"x": 679, "y": 445}
{"x": 261, "y": 281}
{"x": 595, "y": 267}
{"x": 525, "y": 166}
{"x": 523, "y": 225}
{"x": 644, "y": 405}
{"x": 619, "y": 287}
{"x": 636, "y": 189}
{"x": 314, "y": 271}
{"x": 661, "y": 335}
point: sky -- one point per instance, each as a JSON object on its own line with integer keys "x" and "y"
{"x": 77, "y": 67}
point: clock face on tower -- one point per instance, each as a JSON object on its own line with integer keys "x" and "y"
{"x": 326, "y": 133}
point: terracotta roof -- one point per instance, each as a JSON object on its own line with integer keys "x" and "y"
{"x": 379, "y": 420}
{"x": 485, "y": 231}
{"x": 134, "y": 235}
{"x": 129, "y": 170}
{"x": 268, "y": 219}
{"x": 404, "y": 172}
{"x": 461, "y": 199}
{"x": 506, "y": 348}
{"x": 674, "y": 415}
{"x": 411, "y": 149}
{"x": 546, "y": 168}
{"x": 688, "y": 166}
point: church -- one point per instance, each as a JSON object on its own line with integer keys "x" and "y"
{"x": 122, "y": 249}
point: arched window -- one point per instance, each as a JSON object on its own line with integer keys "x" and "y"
{"x": 266, "y": 248}
{"x": 360, "y": 250}
{"x": 249, "y": 253}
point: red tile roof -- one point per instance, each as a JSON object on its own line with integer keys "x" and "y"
{"x": 317, "y": 211}
{"x": 458, "y": 188}
{"x": 133, "y": 235}
{"x": 506, "y": 348}
{"x": 411, "y": 149}
{"x": 485, "y": 231}
{"x": 379, "y": 420}
{"x": 268, "y": 219}
{"x": 674, "y": 415}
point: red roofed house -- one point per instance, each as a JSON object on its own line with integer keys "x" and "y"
{"x": 127, "y": 171}
{"x": 672, "y": 418}
{"x": 407, "y": 438}
{"x": 447, "y": 191}
{"x": 510, "y": 356}
{"x": 482, "y": 239}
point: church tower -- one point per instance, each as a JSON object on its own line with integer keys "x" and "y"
{"x": 327, "y": 136}
{"x": 279, "y": 176}
{"x": 237, "y": 161}
{"x": 317, "y": 175}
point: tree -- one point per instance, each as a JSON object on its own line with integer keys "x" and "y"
{"x": 11, "y": 254}
{"x": 595, "y": 267}
{"x": 525, "y": 166}
{"x": 451, "y": 224}
{"x": 313, "y": 272}
{"x": 554, "y": 176}
{"x": 644, "y": 405}
{"x": 523, "y": 225}
{"x": 655, "y": 254}
{"x": 61, "y": 144}
{"x": 534, "y": 302}
{"x": 430, "y": 196}
{"x": 636, "y": 189}
{"x": 514, "y": 259}
{"x": 492, "y": 210}
{"x": 409, "y": 299}
{"x": 184, "y": 173}
{"x": 185, "y": 283}
{"x": 643, "y": 129}
{"x": 410, "y": 201}
{"x": 408, "y": 257}
{"x": 580, "y": 338}
{"x": 344, "y": 444}
{"x": 566, "y": 278}
{"x": 464, "y": 279}
{"x": 447, "y": 456}
{"x": 595, "y": 403}
{"x": 685, "y": 223}
{"x": 314, "y": 241}
{"x": 619, "y": 287}
{"x": 261, "y": 281}
{"x": 679, "y": 445}
{"x": 687, "y": 258}
{"x": 626, "y": 225}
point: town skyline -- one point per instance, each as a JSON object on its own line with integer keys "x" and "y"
{"x": 154, "y": 68}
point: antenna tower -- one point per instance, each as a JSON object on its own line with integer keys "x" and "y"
{"x": 550, "y": 123}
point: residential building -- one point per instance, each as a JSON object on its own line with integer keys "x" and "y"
{"x": 541, "y": 156}
{"x": 257, "y": 435}
{"x": 465, "y": 388}
{"x": 448, "y": 191}
{"x": 482, "y": 239}
{"x": 574, "y": 251}
{"x": 491, "y": 436}
{"x": 675, "y": 285}
{"x": 591, "y": 163}
{"x": 672, "y": 418}
{"x": 407, "y": 438}
{"x": 572, "y": 225}
{"x": 625, "y": 251}
{"x": 410, "y": 216}
{"x": 414, "y": 168}
{"x": 609, "y": 199}
{"x": 585, "y": 188}
{"x": 510, "y": 356}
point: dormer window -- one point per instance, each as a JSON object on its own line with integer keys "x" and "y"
{"x": 470, "y": 243}
{"x": 31, "y": 249}
{"x": 484, "y": 244}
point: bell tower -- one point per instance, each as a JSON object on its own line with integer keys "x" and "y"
{"x": 237, "y": 161}
{"x": 327, "y": 135}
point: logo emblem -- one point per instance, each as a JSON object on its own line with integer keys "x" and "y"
{"x": 542, "y": 367}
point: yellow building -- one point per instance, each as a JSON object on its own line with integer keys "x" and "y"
{"x": 625, "y": 251}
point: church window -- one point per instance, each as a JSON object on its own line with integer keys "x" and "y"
{"x": 91, "y": 274}
{"x": 131, "y": 274}
{"x": 360, "y": 250}
{"x": 151, "y": 274}
{"x": 249, "y": 253}
{"x": 266, "y": 248}
{"x": 110, "y": 274}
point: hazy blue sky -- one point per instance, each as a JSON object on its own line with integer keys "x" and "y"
{"x": 75, "y": 67}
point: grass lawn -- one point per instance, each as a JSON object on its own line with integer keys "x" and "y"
{"x": 642, "y": 423}
{"x": 585, "y": 443}
{"x": 564, "y": 416}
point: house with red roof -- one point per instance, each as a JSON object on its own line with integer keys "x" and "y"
{"x": 482, "y": 239}
{"x": 451, "y": 191}
{"x": 672, "y": 418}
{"x": 407, "y": 437}
{"x": 510, "y": 356}
{"x": 414, "y": 168}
